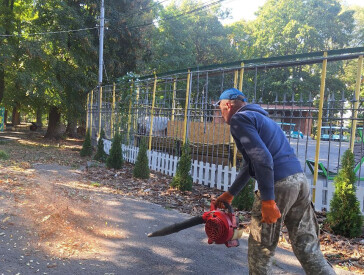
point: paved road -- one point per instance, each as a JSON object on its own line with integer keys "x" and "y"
{"x": 328, "y": 150}
{"x": 330, "y": 153}
{"x": 186, "y": 252}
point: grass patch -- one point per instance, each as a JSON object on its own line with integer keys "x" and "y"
{"x": 4, "y": 141}
{"x": 95, "y": 184}
{"x": 4, "y": 155}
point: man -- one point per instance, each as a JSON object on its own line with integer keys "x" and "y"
{"x": 283, "y": 194}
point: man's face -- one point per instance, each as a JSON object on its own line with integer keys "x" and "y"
{"x": 226, "y": 110}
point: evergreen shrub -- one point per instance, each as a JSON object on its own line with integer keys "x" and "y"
{"x": 244, "y": 200}
{"x": 100, "y": 153}
{"x": 141, "y": 168}
{"x": 86, "y": 146}
{"x": 115, "y": 158}
{"x": 183, "y": 180}
{"x": 345, "y": 218}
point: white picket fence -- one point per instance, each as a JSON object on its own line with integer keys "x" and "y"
{"x": 218, "y": 176}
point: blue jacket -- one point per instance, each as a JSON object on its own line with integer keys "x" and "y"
{"x": 267, "y": 153}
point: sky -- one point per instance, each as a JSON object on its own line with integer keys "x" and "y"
{"x": 245, "y": 9}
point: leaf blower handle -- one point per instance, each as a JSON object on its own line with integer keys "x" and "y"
{"x": 226, "y": 205}
{"x": 221, "y": 201}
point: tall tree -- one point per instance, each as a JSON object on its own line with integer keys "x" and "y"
{"x": 70, "y": 57}
{"x": 7, "y": 23}
{"x": 287, "y": 27}
{"x": 15, "y": 18}
{"x": 189, "y": 35}
{"x": 358, "y": 35}
{"x": 73, "y": 55}
{"x": 126, "y": 42}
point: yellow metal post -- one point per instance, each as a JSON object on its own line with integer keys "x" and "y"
{"x": 91, "y": 105}
{"x": 356, "y": 103}
{"x": 112, "y": 112}
{"x": 152, "y": 112}
{"x": 319, "y": 122}
{"x": 241, "y": 76}
{"x": 186, "y": 106}
{"x": 129, "y": 112}
{"x": 235, "y": 152}
{"x": 174, "y": 98}
{"x": 137, "y": 94}
{"x": 236, "y": 74}
{"x": 100, "y": 109}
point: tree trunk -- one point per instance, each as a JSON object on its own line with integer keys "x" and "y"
{"x": 2, "y": 82}
{"x": 39, "y": 118}
{"x": 81, "y": 130}
{"x": 6, "y": 116}
{"x": 15, "y": 120}
{"x": 10, "y": 5}
{"x": 71, "y": 129}
{"x": 54, "y": 130}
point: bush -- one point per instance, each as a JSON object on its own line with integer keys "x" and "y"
{"x": 115, "y": 158}
{"x": 3, "y": 155}
{"x": 86, "y": 146}
{"x": 141, "y": 168}
{"x": 100, "y": 153}
{"x": 345, "y": 217}
{"x": 183, "y": 180}
{"x": 244, "y": 200}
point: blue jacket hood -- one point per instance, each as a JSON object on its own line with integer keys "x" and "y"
{"x": 255, "y": 108}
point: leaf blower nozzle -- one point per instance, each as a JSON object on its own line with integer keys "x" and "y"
{"x": 174, "y": 228}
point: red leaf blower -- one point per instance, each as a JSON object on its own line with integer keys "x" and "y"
{"x": 220, "y": 227}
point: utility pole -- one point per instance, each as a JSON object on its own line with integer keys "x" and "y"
{"x": 101, "y": 41}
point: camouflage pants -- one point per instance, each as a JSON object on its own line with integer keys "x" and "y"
{"x": 292, "y": 196}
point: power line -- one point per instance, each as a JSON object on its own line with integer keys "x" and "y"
{"x": 147, "y": 8}
{"x": 44, "y": 33}
{"x": 201, "y": 8}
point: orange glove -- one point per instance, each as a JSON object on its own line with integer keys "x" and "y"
{"x": 225, "y": 197}
{"x": 270, "y": 212}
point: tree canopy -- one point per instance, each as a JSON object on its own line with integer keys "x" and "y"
{"x": 49, "y": 48}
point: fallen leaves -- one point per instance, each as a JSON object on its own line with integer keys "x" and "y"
{"x": 61, "y": 218}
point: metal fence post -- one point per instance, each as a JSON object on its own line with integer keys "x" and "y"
{"x": 241, "y": 76}
{"x": 356, "y": 103}
{"x": 240, "y": 88}
{"x": 174, "y": 98}
{"x": 235, "y": 149}
{"x": 152, "y": 112}
{"x": 129, "y": 112}
{"x": 319, "y": 122}
{"x": 186, "y": 106}
{"x": 136, "y": 113}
